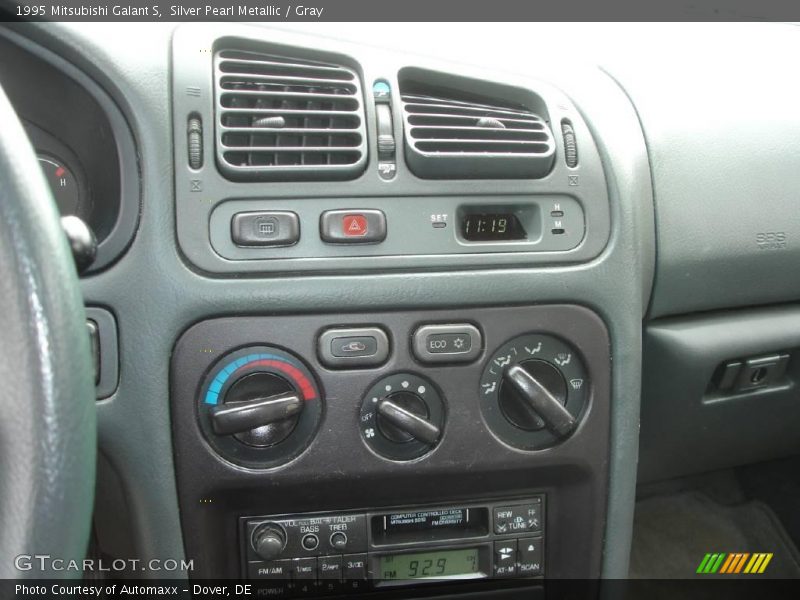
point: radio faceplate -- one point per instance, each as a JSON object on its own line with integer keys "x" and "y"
{"x": 350, "y": 551}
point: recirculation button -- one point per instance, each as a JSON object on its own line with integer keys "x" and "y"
{"x": 353, "y": 348}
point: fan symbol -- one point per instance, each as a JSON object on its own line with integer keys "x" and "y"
{"x": 369, "y": 433}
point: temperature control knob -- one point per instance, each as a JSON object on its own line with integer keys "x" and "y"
{"x": 268, "y": 540}
{"x": 402, "y": 416}
{"x": 260, "y": 409}
{"x": 259, "y": 406}
{"x": 533, "y": 391}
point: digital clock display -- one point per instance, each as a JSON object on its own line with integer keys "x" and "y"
{"x": 482, "y": 227}
{"x": 439, "y": 564}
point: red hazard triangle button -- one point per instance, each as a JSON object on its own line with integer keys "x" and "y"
{"x": 354, "y": 225}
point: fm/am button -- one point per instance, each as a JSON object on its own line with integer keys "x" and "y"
{"x": 447, "y": 343}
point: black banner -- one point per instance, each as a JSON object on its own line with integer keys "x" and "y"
{"x": 732, "y": 588}
{"x": 401, "y": 10}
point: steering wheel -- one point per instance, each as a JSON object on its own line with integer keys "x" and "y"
{"x": 48, "y": 437}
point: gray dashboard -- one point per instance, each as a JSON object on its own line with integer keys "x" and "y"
{"x": 721, "y": 168}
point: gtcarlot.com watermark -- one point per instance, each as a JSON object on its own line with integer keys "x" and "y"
{"x": 45, "y": 562}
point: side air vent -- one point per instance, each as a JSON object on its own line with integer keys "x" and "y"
{"x": 448, "y": 139}
{"x": 287, "y": 119}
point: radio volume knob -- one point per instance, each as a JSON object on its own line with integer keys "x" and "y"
{"x": 268, "y": 540}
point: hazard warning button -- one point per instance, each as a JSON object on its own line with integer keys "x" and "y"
{"x": 353, "y": 226}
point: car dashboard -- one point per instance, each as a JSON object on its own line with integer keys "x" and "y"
{"x": 382, "y": 311}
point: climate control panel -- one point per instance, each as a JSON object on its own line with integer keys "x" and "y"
{"x": 323, "y": 415}
{"x": 260, "y": 405}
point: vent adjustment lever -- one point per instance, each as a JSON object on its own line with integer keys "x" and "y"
{"x": 387, "y": 146}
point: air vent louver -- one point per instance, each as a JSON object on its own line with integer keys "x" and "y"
{"x": 449, "y": 139}
{"x": 287, "y": 119}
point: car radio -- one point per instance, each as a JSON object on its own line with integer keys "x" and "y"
{"x": 350, "y": 551}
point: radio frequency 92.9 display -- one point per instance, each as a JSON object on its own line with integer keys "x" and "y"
{"x": 437, "y": 564}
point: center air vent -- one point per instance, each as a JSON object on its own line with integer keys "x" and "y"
{"x": 287, "y": 119}
{"x": 449, "y": 139}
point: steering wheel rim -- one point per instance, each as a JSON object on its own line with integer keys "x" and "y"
{"x": 48, "y": 436}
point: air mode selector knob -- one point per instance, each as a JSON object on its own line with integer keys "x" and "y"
{"x": 534, "y": 391}
{"x": 532, "y": 395}
{"x": 268, "y": 540}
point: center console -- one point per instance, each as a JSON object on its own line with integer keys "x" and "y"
{"x": 342, "y": 452}
{"x": 334, "y": 448}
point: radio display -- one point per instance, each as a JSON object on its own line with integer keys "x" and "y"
{"x": 426, "y": 520}
{"x": 483, "y": 227}
{"x": 438, "y": 564}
